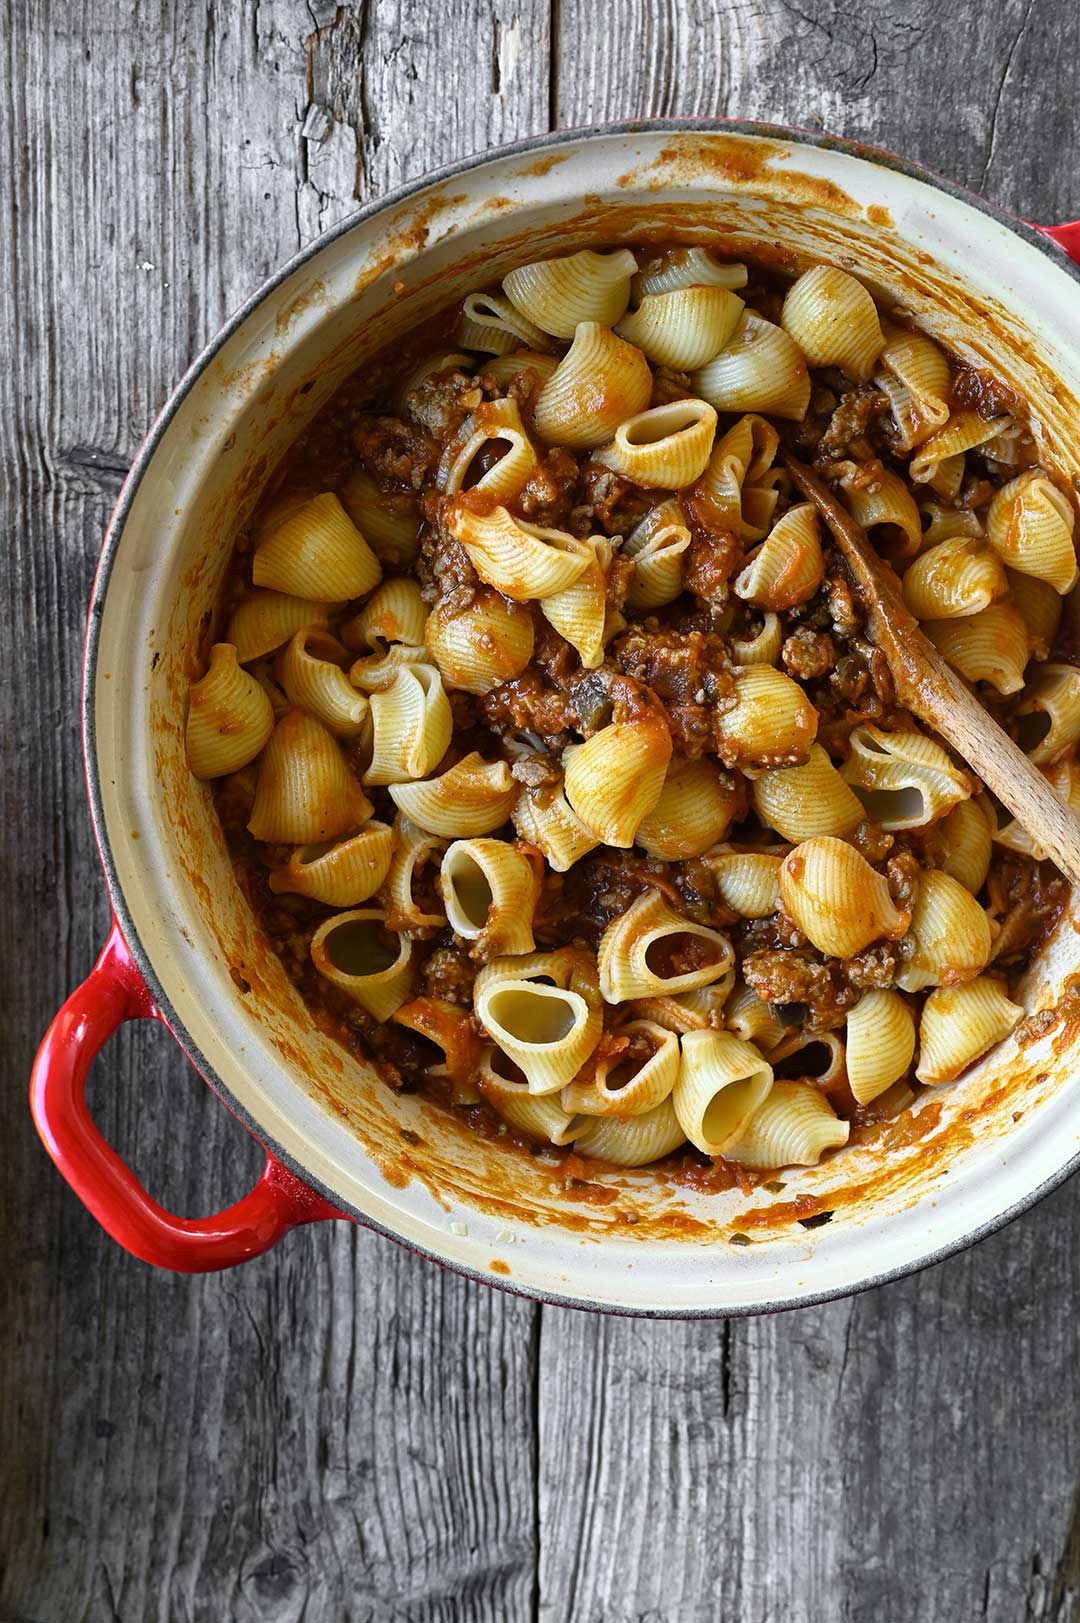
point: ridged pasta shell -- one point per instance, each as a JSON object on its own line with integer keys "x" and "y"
{"x": 1048, "y": 717}
{"x": 614, "y": 779}
{"x": 598, "y": 384}
{"x": 317, "y": 552}
{"x": 800, "y": 801}
{"x": 412, "y": 726}
{"x": 388, "y": 521}
{"x": 377, "y": 672}
{"x": 489, "y": 311}
{"x": 722, "y": 1082}
{"x": 503, "y": 369}
{"x": 754, "y": 1020}
{"x": 1040, "y": 607}
{"x": 536, "y": 1116}
{"x": 788, "y": 567}
{"x": 880, "y": 1044}
{"x": 365, "y": 960}
{"x": 633, "y": 1143}
{"x": 966, "y": 837}
{"x": 991, "y": 646}
{"x": 961, "y": 1023}
{"x": 545, "y": 818}
{"x": 579, "y": 611}
{"x": 917, "y": 379}
{"x": 697, "y": 806}
{"x": 1030, "y": 524}
{"x": 1064, "y": 779}
{"x": 548, "y": 1031}
{"x": 305, "y": 791}
{"x": 949, "y": 939}
{"x": 837, "y": 900}
{"x": 759, "y": 369}
{"x": 955, "y": 578}
{"x": 963, "y": 432}
{"x": 665, "y": 447}
{"x": 495, "y": 423}
{"x": 559, "y": 294}
{"x": 626, "y": 1084}
{"x": 489, "y": 890}
{"x": 341, "y": 875}
{"x": 471, "y": 797}
{"x": 686, "y": 267}
{"x": 834, "y": 321}
{"x": 876, "y": 497}
{"x": 772, "y": 722}
{"x": 438, "y": 363}
{"x": 395, "y": 612}
{"x": 942, "y": 523}
{"x": 657, "y": 545}
{"x": 262, "y": 621}
{"x": 903, "y": 779}
{"x": 414, "y": 850}
{"x": 683, "y": 328}
{"x": 641, "y": 952}
{"x": 451, "y": 1028}
{"x": 229, "y": 717}
{"x": 793, "y": 1128}
{"x": 762, "y": 649}
{"x": 747, "y": 881}
{"x": 315, "y": 682}
{"x": 480, "y": 647}
{"x": 523, "y": 561}
{"x": 811, "y": 1056}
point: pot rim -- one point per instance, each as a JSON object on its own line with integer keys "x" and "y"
{"x": 144, "y": 456}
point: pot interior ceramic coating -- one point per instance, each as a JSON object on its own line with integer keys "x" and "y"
{"x": 977, "y": 1150}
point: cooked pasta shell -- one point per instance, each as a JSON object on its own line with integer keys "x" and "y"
{"x": 389, "y": 521}
{"x": 377, "y": 672}
{"x": 579, "y": 611}
{"x": 365, "y": 960}
{"x": 229, "y": 718}
{"x": 793, "y": 1128}
{"x": 941, "y": 523}
{"x": 1064, "y": 779}
{"x": 341, "y": 875}
{"x": 879, "y": 500}
{"x": 686, "y": 267}
{"x": 697, "y": 806}
{"x": 754, "y": 1020}
{"x": 497, "y": 423}
{"x": 1040, "y": 606}
{"x": 903, "y": 779}
{"x": 788, "y": 567}
{"x": 740, "y": 459}
{"x": 548, "y": 1031}
{"x": 955, "y": 578}
{"x": 991, "y": 646}
{"x": 523, "y": 561}
{"x": 683, "y": 328}
{"x": 966, "y": 837}
{"x": 614, "y": 779}
{"x": 489, "y": 890}
{"x": 623, "y": 1080}
{"x": 666, "y": 447}
{"x": 880, "y": 1044}
{"x": 315, "y": 682}
{"x": 598, "y": 384}
{"x": 771, "y": 723}
{"x": 652, "y": 951}
{"x": 317, "y": 552}
{"x": 395, "y": 612}
{"x": 763, "y": 648}
{"x": 747, "y": 881}
{"x": 305, "y": 791}
{"x": 480, "y": 647}
{"x": 471, "y": 797}
{"x": 961, "y": 1023}
{"x": 503, "y": 369}
{"x": 680, "y": 1014}
{"x": 1048, "y": 716}
{"x": 262, "y": 621}
{"x": 800, "y": 801}
{"x": 537, "y": 1116}
{"x": 1030, "y": 524}
{"x": 834, "y": 321}
{"x": 559, "y": 294}
{"x": 837, "y": 900}
{"x": 949, "y": 939}
{"x": 657, "y": 546}
{"x": 935, "y": 461}
{"x": 412, "y": 725}
{"x": 759, "y": 369}
{"x": 414, "y": 850}
{"x": 632, "y": 1143}
{"x": 436, "y": 364}
{"x": 451, "y": 1028}
{"x": 491, "y": 313}
{"x": 722, "y": 1082}
{"x": 284, "y": 506}
{"x": 545, "y": 818}
{"x": 917, "y": 379}
{"x": 811, "y": 1056}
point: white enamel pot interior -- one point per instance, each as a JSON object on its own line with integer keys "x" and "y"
{"x": 981, "y": 1150}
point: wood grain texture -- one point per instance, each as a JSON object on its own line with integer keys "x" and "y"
{"x": 341, "y": 1431}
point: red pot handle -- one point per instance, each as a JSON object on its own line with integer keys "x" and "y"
{"x": 113, "y": 992}
{"x": 1066, "y": 236}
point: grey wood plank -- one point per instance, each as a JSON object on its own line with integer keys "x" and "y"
{"x": 339, "y": 1431}
{"x": 913, "y": 1454}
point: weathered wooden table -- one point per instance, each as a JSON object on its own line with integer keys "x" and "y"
{"x": 340, "y": 1430}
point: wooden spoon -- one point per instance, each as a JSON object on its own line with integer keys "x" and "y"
{"x": 932, "y": 690}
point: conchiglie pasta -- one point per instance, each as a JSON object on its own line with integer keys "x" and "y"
{"x": 414, "y": 850}
{"x": 763, "y": 648}
{"x": 965, "y": 837}
{"x": 793, "y": 1127}
{"x": 388, "y": 521}
{"x": 800, "y": 801}
{"x": 1048, "y": 716}
{"x": 747, "y": 881}
{"x": 879, "y": 500}
{"x": 731, "y": 481}
{"x": 482, "y": 646}
{"x": 754, "y": 1020}
{"x": 632, "y": 1143}
{"x": 880, "y": 1044}
{"x": 537, "y": 1116}
{"x": 316, "y": 552}
{"x": 600, "y": 382}
{"x": 1030, "y": 524}
{"x": 837, "y": 900}
{"x": 615, "y": 779}
{"x": 545, "y": 818}
{"x": 548, "y": 1031}
{"x": 697, "y": 806}
{"x": 760, "y": 369}
{"x": 949, "y": 939}
{"x": 903, "y": 779}
{"x": 666, "y": 447}
{"x": 1064, "y": 778}
{"x": 523, "y": 561}
{"x": 342, "y": 875}
{"x": 921, "y": 371}
{"x": 953, "y": 579}
{"x": 657, "y": 546}
{"x": 772, "y": 721}
{"x": 229, "y": 718}
{"x": 412, "y": 725}
{"x": 484, "y": 315}
{"x": 503, "y": 369}
{"x": 470, "y": 798}
{"x": 579, "y": 611}
{"x": 1040, "y": 607}
{"x": 489, "y": 890}
{"x": 305, "y": 791}
{"x": 362, "y": 958}
{"x": 631, "y": 1073}
{"x": 652, "y": 951}
{"x": 960, "y": 1024}
{"x": 834, "y": 321}
{"x": 788, "y": 567}
{"x": 497, "y": 423}
{"x": 559, "y": 294}
{"x": 722, "y": 1082}
{"x": 451, "y": 1028}
{"x": 686, "y": 267}
{"x": 683, "y": 328}
{"x": 939, "y": 461}
{"x": 262, "y": 621}
{"x": 312, "y": 677}
{"x": 395, "y": 612}
{"x": 991, "y": 646}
